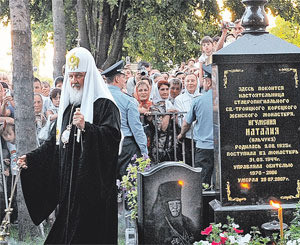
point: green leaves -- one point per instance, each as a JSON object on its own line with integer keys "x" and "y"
{"x": 287, "y": 31}
{"x": 129, "y": 182}
{"x": 164, "y": 31}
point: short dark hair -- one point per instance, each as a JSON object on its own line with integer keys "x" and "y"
{"x": 206, "y": 39}
{"x": 179, "y": 73}
{"x": 111, "y": 78}
{"x": 193, "y": 74}
{"x": 4, "y": 84}
{"x": 175, "y": 81}
{"x": 35, "y": 79}
{"x": 143, "y": 63}
{"x": 148, "y": 79}
{"x": 165, "y": 73}
{"x": 55, "y": 92}
{"x": 216, "y": 38}
{"x": 45, "y": 83}
{"x": 10, "y": 126}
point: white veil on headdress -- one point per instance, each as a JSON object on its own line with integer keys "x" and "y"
{"x": 81, "y": 60}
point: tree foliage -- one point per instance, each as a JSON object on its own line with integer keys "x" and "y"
{"x": 287, "y": 31}
{"x": 165, "y": 32}
{"x": 236, "y": 8}
{"x": 287, "y": 9}
{"x": 159, "y": 31}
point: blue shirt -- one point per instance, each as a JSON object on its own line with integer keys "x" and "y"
{"x": 130, "y": 117}
{"x": 202, "y": 111}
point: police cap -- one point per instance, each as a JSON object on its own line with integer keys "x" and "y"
{"x": 116, "y": 68}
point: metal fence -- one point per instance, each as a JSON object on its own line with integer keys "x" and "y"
{"x": 175, "y": 117}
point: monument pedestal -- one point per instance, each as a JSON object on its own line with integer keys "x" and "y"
{"x": 208, "y": 215}
{"x": 250, "y": 215}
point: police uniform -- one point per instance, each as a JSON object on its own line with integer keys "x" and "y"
{"x": 135, "y": 141}
{"x": 202, "y": 111}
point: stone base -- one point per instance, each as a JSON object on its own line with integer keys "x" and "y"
{"x": 208, "y": 213}
{"x": 250, "y": 215}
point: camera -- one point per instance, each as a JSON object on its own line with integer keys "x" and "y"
{"x": 228, "y": 25}
{"x": 7, "y": 92}
{"x": 143, "y": 71}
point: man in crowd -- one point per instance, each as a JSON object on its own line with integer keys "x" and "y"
{"x": 175, "y": 89}
{"x": 37, "y": 89}
{"x": 75, "y": 168}
{"x": 226, "y": 38}
{"x": 202, "y": 111}
{"x": 135, "y": 141}
{"x": 183, "y": 103}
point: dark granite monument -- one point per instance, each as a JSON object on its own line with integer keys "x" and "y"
{"x": 258, "y": 98}
{"x": 170, "y": 204}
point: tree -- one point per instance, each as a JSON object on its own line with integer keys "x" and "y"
{"x": 155, "y": 30}
{"x": 287, "y": 31}
{"x": 117, "y": 41}
{"x": 59, "y": 37}
{"x": 164, "y": 32}
{"x": 23, "y": 95}
{"x": 105, "y": 29}
{"x": 82, "y": 28}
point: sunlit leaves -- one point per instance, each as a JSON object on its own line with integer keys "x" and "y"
{"x": 165, "y": 31}
{"x": 287, "y": 31}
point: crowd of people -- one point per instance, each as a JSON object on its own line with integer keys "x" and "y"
{"x": 164, "y": 114}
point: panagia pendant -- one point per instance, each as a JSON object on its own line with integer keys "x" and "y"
{"x": 65, "y": 136}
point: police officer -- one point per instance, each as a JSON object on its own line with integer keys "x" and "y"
{"x": 135, "y": 141}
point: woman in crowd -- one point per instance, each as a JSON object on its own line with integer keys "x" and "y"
{"x": 55, "y": 99}
{"x": 142, "y": 94}
{"x": 40, "y": 118}
{"x": 7, "y": 107}
{"x": 4, "y": 78}
{"x": 162, "y": 145}
{"x": 45, "y": 88}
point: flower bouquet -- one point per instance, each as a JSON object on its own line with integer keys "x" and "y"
{"x": 230, "y": 233}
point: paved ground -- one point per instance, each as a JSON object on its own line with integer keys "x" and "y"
{"x": 121, "y": 225}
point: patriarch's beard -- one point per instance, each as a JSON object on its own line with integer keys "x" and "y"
{"x": 75, "y": 95}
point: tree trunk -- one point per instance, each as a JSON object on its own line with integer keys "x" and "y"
{"x": 108, "y": 23}
{"x": 23, "y": 95}
{"x": 82, "y": 28}
{"x": 59, "y": 37}
{"x": 119, "y": 36}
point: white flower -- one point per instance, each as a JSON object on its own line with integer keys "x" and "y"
{"x": 232, "y": 239}
{"x": 235, "y": 225}
{"x": 243, "y": 240}
{"x": 201, "y": 243}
